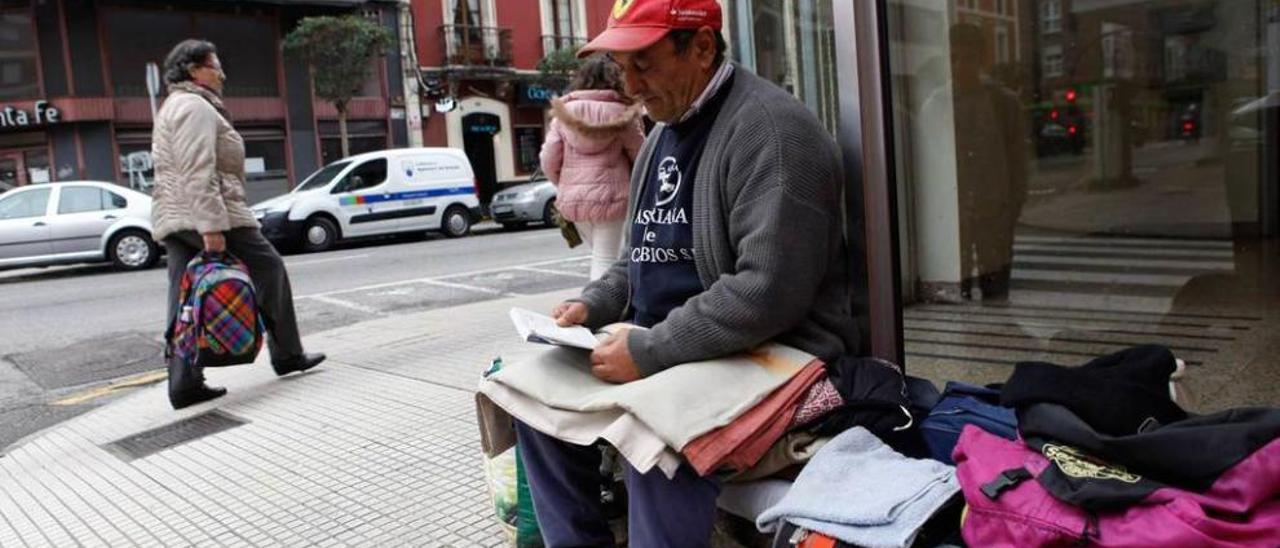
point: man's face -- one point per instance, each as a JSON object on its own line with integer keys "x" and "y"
{"x": 664, "y": 81}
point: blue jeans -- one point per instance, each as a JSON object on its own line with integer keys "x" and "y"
{"x": 564, "y": 480}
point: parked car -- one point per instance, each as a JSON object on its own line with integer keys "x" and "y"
{"x": 76, "y": 222}
{"x": 534, "y": 201}
{"x": 1055, "y": 138}
{"x": 383, "y": 192}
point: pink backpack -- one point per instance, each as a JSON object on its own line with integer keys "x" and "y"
{"x": 1008, "y": 507}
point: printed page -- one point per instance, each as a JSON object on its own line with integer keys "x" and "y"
{"x": 540, "y": 328}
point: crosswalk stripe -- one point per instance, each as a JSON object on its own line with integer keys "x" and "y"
{"x": 1208, "y": 266}
{"x": 1123, "y": 252}
{"x": 1097, "y": 301}
{"x": 1169, "y": 280}
{"x": 1127, "y": 277}
{"x": 1154, "y": 242}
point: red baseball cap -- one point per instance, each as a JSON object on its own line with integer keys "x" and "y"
{"x": 638, "y": 24}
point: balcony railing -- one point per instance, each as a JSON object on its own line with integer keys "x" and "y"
{"x": 555, "y": 42}
{"x": 470, "y": 46}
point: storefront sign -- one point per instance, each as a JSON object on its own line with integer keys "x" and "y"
{"x": 41, "y": 113}
{"x": 534, "y": 95}
{"x": 481, "y": 123}
{"x": 483, "y": 128}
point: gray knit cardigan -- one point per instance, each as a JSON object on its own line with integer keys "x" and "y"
{"x": 767, "y": 236}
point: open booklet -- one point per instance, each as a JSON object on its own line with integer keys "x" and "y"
{"x": 540, "y": 328}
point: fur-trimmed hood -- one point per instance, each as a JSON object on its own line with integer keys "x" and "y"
{"x": 594, "y": 119}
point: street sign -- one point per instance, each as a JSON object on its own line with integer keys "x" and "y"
{"x": 153, "y": 79}
{"x": 153, "y": 86}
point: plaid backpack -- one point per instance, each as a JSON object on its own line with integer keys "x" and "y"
{"x": 218, "y": 324}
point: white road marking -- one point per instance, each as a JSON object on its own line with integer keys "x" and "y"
{"x": 467, "y": 287}
{"x": 1166, "y": 280}
{"x": 1099, "y": 251}
{"x": 1135, "y": 263}
{"x": 348, "y": 304}
{"x": 328, "y": 260}
{"x": 1154, "y": 242}
{"x": 550, "y": 271}
{"x": 441, "y": 278}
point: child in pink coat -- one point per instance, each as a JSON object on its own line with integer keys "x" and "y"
{"x": 590, "y": 149}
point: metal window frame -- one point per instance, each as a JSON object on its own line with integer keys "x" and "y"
{"x": 865, "y": 136}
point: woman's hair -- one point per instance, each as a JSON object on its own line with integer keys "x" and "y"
{"x": 183, "y": 57}
{"x": 598, "y": 72}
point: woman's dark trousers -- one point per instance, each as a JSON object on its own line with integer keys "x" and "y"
{"x": 271, "y": 285}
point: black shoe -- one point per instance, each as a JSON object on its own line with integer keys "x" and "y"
{"x": 298, "y": 364}
{"x": 199, "y": 395}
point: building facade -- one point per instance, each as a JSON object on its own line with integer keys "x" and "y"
{"x": 483, "y": 56}
{"x": 76, "y": 103}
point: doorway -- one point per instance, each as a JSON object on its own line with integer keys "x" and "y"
{"x": 478, "y": 130}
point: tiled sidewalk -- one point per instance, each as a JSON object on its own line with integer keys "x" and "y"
{"x": 376, "y": 447}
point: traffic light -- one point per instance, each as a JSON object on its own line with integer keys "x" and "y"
{"x": 1071, "y": 95}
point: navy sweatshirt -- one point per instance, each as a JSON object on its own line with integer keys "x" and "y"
{"x": 662, "y": 270}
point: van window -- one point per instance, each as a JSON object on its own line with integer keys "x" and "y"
{"x": 367, "y": 175}
{"x": 324, "y": 176}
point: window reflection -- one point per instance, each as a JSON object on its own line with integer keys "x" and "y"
{"x": 1082, "y": 175}
{"x": 792, "y": 44}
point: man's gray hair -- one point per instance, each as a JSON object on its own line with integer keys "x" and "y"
{"x": 683, "y": 37}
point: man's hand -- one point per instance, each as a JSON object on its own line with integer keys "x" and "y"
{"x": 214, "y": 242}
{"x": 611, "y": 361}
{"x": 570, "y": 313}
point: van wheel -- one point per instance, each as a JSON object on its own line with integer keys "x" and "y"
{"x": 456, "y": 222}
{"x": 319, "y": 235}
{"x": 132, "y": 250}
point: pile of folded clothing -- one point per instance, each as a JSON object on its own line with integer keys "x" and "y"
{"x": 785, "y": 430}
{"x": 651, "y": 420}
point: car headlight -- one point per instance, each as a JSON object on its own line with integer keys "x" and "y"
{"x": 263, "y": 211}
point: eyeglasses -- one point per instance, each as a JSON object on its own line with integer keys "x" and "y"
{"x": 214, "y": 68}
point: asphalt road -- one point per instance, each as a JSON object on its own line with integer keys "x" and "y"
{"x": 67, "y": 334}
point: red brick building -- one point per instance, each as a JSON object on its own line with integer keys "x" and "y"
{"x": 484, "y": 54}
{"x": 87, "y": 58}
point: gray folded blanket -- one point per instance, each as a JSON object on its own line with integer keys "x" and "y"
{"x": 859, "y": 490}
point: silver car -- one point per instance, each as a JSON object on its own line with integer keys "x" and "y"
{"x": 76, "y": 222}
{"x": 534, "y": 201}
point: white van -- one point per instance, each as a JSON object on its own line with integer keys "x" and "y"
{"x": 384, "y": 192}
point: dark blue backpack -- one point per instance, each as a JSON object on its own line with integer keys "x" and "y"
{"x": 963, "y": 404}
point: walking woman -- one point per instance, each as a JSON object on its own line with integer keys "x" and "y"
{"x": 590, "y": 148}
{"x": 199, "y": 204}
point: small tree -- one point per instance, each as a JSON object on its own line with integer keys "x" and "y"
{"x": 557, "y": 68}
{"x": 338, "y": 51}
